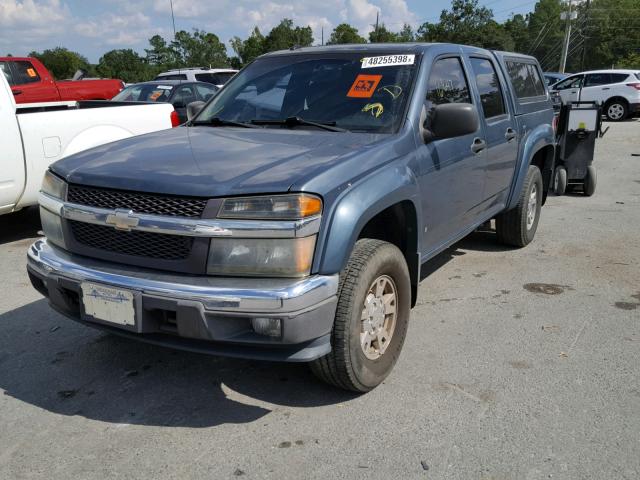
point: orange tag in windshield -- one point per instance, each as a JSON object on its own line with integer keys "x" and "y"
{"x": 364, "y": 86}
{"x": 31, "y": 72}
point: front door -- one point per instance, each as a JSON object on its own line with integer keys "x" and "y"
{"x": 569, "y": 89}
{"x": 499, "y": 130}
{"x": 29, "y": 87}
{"x": 451, "y": 174}
{"x": 11, "y": 157}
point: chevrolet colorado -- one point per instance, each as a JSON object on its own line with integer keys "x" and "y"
{"x": 290, "y": 218}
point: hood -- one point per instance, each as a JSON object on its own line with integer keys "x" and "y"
{"x": 213, "y": 161}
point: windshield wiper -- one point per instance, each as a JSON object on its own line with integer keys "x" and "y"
{"x": 219, "y": 122}
{"x": 295, "y": 121}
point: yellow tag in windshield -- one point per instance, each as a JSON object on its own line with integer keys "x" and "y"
{"x": 376, "y": 109}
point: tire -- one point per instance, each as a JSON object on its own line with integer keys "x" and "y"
{"x": 348, "y": 366}
{"x": 517, "y": 227}
{"x": 590, "y": 181}
{"x": 560, "y": 181}
{"x": 616, "y": 110}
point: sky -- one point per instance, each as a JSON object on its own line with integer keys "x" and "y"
{"x": 93, "y": 27}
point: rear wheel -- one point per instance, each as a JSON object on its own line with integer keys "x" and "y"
{"x": 518, "y": 226}
{"x": 372, "y": 316}
{"x": 590, "y": 181}
{"x": 560, "y": 181}
{"x": 616, "y": 110}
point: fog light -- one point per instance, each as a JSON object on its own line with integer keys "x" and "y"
{"x": 271, "y": 327}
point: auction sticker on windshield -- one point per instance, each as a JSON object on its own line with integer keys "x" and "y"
{"x": 388, "y": 60}
{"x": 364, "y": 86}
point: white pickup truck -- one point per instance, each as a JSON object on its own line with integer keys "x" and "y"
{"x": 35, "y": 135}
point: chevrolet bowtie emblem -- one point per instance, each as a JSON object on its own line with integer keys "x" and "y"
{"x": 122, "y": 220}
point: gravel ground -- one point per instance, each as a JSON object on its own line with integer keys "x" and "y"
{"x": 519, "y": 364}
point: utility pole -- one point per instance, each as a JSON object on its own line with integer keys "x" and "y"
{"x": 322, "y": 35}
{"x": 585, "y": 30}
{"x": 567, "y": 37}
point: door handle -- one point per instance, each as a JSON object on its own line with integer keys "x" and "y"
{"x": 478, "y": 145}
{"x": 17, "y": 92}
{"x": 606, "y": 88}
{"x": 510, "y": 134}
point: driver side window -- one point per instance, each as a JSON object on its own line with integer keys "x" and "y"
{"x": 571, "y": 82}
{"x": 447, "y": 83}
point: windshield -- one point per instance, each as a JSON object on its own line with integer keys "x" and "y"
{"x": 356, "y": 92}
{"x": 145, "y": 93}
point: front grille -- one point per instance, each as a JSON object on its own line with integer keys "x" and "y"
{"x": 149, "y": 203}
{"x": 140, "y": 244}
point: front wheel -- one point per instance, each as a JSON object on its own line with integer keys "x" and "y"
{"x": 518, "y": 226}
{"x": 372, "y": 316}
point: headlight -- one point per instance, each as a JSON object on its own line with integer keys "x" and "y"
{"x": 54, "y": 186}
{"x": 275, "y": 207}
{"x": 52, "y": 227}
{"x": 275, "y": 257}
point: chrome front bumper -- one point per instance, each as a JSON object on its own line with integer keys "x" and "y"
{"x": 201, "y": 313}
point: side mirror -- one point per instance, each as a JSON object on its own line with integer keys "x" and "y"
{"x": 193, "y": 109}
{"x": 451, "y": 120}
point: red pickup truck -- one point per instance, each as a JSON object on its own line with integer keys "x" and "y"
{"x": 31, "y": 82}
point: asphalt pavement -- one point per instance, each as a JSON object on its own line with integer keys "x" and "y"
{"x": 518, "y": 364}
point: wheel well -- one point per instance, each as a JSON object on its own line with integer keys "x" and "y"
{"x": 543, "y": 159}
{"x": 398, "y": 224}
{"x": 620, "y": 99}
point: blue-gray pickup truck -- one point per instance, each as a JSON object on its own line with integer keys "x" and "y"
{"x": 289, "y": 219}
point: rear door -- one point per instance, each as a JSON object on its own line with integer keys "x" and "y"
{"x": 28, "y": 86}
{"x": 499, "y": 128}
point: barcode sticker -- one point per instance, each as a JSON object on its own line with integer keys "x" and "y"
{"x": 388, "y": 60}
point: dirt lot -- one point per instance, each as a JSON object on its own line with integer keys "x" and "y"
{"x": 519, "y": 364}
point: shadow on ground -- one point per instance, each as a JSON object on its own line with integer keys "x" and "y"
{"x": 19, "y": 225}
{"x": 66, "y": 368}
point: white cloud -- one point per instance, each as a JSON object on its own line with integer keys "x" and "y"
{"x": 31, "y": 22}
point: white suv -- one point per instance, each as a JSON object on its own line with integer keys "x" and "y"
{"x": 617, "y": 90}
{"x": 216, "y": 76}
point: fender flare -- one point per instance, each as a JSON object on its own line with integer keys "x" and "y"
{"x": 540, "y": 137}
{"x": 357, "y": 205}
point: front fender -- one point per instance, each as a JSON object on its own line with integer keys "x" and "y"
{"x": 358, "y": 204}
{"x": 536, "y": 139}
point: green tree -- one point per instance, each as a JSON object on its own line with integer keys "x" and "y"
{"x": 518, "y": 29}
{"x": 285, "y": 35}
{"x": 406, "y": 34}
{"x": 382, "y": 35}
{"x": 124, "y": 64}
{"x": 611, "y": 31}
{"x": 469, "y": 24}
{"x": 247, "y": 50}
{"x": 200, "y": 49}
{"x": 546, "y": 33}
{"x": 62, "y": 63}
{"x": 345, "y": 33}
{"x": 159, "y": 53}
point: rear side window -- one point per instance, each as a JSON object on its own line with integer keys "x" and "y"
{"x": 488, "y": 87}
{"x": 4, "y": 67}
{"x": 594, "y": 79}
{"x": 24, "y": 72}
{"x": 447, "y": 83}
{"x": 215, "y": 78}
{"x": 176, "y": 76}
{"x": 205, "y": 90}
{"x": 525, "y": 79}
{"x": 619, "y": 77}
